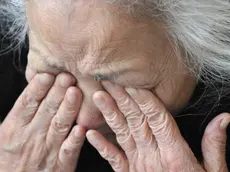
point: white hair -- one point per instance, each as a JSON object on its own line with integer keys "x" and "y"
{"x": 13, "y": 24}
{"x": 199, "y": 29}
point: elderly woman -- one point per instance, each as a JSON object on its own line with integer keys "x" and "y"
{"x": 123, "y": 67}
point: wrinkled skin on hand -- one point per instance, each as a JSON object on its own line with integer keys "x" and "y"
{"x": 149, "y": 137}
{"x": 35, "y": 135}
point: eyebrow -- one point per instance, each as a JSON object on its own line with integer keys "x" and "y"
{"x": 97, "y": 76}
{"x": 103, "y": 77}
{"x": 111, "y": 76}
{"x": 56, "y": 68}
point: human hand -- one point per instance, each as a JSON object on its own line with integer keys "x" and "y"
{"x": 149, "y": 136}
{"x": 34, "y": 136}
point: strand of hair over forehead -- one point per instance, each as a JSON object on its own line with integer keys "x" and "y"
{"x": 201, "y": 28}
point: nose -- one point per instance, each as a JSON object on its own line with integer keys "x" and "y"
{"x": 89, "y": 116}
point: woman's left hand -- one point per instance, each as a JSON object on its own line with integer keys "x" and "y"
{"x": 149, "y": 136}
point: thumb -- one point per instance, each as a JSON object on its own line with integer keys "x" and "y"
{"x": 214, "y": 144}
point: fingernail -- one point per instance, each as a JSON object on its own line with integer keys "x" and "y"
{"x": 91, "y": 134}
{"x": 45, "y": 79}
{"x": 100, "y": 101}
{"x": 131, "y": 91}
{"x": 65, "y": 81}
{"x": 67, "y": 151}
{"x": 224, "y": 123}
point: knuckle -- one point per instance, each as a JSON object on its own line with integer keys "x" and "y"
{"x": 146, "y": 104}
{"x": 166, "y": 131}
{"x": 216, "y": 141}
{"x": 12, "y": 148}
{"x": 116, "y": 162}
{"x": 59, "y": 126}
{"x": 104, "y": 153}
{"x": 157, "y": 119}
{"x": 70, "y": 111}
{"x": 29, "y": 101}
{"x": 131, "y": 111}
{"x": 123, "y": 101}
{"x": 111, "y": 157}
{"x": 123, "y": 135}
{"x": 129, "y": 108}
{"x": 68, "y": 150}
{"x": 119, "y": 127}
{"x": 112, "y": 117}
{"x": 135, "y": 120}
{"x": 75, "y": 142}
{"x": 151, "y": 108}
{"x": 69, "y": 147}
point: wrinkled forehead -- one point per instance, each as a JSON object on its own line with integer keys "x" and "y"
{"x": 89, "y": 64}
{"x": 68, "y": 12}
{"x": 92, "y": 34}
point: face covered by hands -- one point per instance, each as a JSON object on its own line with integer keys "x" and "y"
{"x": 94, "y": 40}
{"x": 149, "y": 136}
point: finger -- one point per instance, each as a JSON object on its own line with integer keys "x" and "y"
{"x": 64, "y": 119}
{"x": 52, "y": 101}
{"x": 162, "y": 124}
{"x": 27, "y": 104}
{"x": 29, "y": 73}
{"x": 214, "y": 143}
{"x": 70, "y": 149}
{"x": 136, "y": 120}
{"x": 108, "y": 151}
{"x": 115, "y": 120}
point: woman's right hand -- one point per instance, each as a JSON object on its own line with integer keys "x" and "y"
{"x": 35, "y": 134}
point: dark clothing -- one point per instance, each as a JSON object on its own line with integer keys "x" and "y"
{"x": 12, "y": 82}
